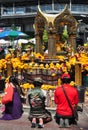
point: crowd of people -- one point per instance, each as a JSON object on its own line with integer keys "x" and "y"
{"x": 38, "y": 114}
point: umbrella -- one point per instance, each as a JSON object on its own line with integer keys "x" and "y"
{"x": 12, "y": 34}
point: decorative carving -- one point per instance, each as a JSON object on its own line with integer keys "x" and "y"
{"x": 65, "y": 18}
{"x": 51, "y": 29}
{"x": 54, "y": 25}
{"x": 40, "y": 23}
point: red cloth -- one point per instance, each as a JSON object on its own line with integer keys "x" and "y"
{"x": 8, "y": 96}
{"x": 61, "y": 101}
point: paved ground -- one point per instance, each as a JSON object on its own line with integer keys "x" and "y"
{"x": 24, "y": 124}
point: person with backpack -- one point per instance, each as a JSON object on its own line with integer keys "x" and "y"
{"x": 38, "y": 114}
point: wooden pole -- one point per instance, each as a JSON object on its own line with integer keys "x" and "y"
{"x": 9, "y": 68}
{"x": 78, "y": 75}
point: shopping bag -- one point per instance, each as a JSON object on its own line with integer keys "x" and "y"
{"x": 8, "y": 96}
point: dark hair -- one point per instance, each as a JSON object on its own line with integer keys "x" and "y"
{"x": 15, "y": 82}
{"x": 66, "y": 80}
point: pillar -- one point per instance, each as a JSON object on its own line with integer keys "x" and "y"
{"x": 51, "y": 46}
{"x": 72, "y": 41}
{"x": 78, "y": 75}
{"x": 38, "y": 44}
{"x": 9, "y": 68}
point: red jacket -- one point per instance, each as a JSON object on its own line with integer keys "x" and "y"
{"x": 61, "y": 101}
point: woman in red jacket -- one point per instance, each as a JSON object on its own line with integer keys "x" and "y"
{"x": 63, "y": 110}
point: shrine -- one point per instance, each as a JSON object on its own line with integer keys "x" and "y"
{"x": 61, "y": 57}
{"x": 61, "y": 31}
{"x": 55, "y": 25}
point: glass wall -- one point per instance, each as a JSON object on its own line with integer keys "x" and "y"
{"x": 19, "y": 10}
{"x": 80, "y": 8}
{"x": 59, "y": 7}
{"x": 44, "y": 7}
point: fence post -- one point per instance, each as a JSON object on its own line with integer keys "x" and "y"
{"x": 78, "y": 74}
{"x": 9, "y": 68}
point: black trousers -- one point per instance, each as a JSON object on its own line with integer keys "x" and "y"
{"x": 70, "y": 118}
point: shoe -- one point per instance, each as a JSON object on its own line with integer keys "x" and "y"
{"x": 66, "y": 121}
{"x": 61, "y": 123}
{"x": 33, "y": 125}
{"x": 40, "y": 126}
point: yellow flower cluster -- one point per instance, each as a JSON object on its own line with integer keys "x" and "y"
{"x": 38, "y": 56}
{"x": 3, "y": 65}
{"x": 7, "y": 79}
{"x": 83, "y": 60}
{"x": 72, "y": 83}
{"x": 64, "y": 66}
{"x": 27, "y": 86}
{"x": 16, "y": 63}
{"x": 8, "y": 57}
{"x": 61, "y": 58}
{"x": 31, "y": 86}
{"x": 44, "y": 86}
{"x": 25, "y": 57}
{"x": 86, "y": 93}
{"x": 47, "y": 87}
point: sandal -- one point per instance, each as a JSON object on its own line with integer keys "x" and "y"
{"x": 33, "y": 125}
{"x": 40, "y": 126}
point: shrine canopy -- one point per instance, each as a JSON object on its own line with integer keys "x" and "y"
{"x": 54, "y": 24}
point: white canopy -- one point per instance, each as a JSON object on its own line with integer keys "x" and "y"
{"x": 21, "y": 41}
{"x": 33, "y": 41}
{"x": 4, "y": 42}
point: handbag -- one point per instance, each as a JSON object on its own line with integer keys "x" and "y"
{"x": 8, "y": 96}
{"x": 74, "y": 111}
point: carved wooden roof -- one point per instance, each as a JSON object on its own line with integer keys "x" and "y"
{"x": 55, "y": 22}
{"x": 66, "y": 18}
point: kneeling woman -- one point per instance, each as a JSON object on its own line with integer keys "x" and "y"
{"x": 13, "y": 109}
{"x": 38, "y": 114}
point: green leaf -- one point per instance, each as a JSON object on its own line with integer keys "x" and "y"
{"x": 65, "y": 35}
{"x": 45, "y": 36}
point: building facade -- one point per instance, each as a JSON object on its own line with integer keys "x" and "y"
{"x": 22, "y": 13}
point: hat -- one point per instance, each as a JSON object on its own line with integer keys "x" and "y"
{"x": 65, "y": 76}
{"x": 38, "y": 79}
